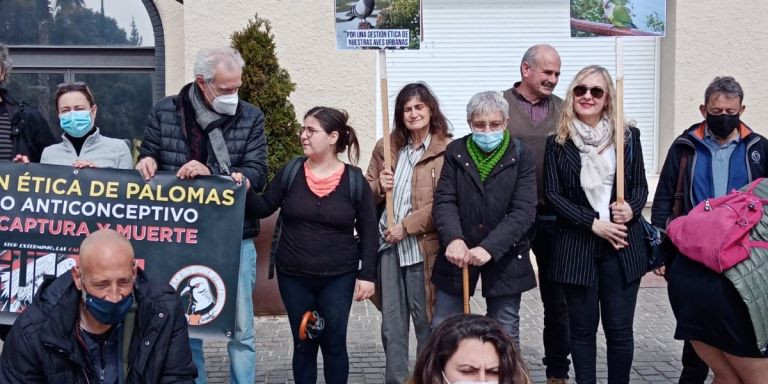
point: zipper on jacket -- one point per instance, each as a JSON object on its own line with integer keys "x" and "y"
{"x": 85, "y": 375}
{"x": 433, "y": 180}
{"x": 746, "y": 154}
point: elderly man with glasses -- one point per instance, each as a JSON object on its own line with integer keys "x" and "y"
{"x": 485, "y": 202}
{"x": 206, "y": 129}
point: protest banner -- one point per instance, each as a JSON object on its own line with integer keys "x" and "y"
{"x": 184, "y": 232}
{"x": 382, "y": 25}
{"x": 377, "y": 24}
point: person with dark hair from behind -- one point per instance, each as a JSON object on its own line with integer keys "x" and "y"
{"x": 533, "y": 114}
{"x": 470, "y": 349}
{"x": 83, "y": 146}
{"x": 709, "y": 159}
{"x": 24, "y": 133}
{"x": 407, "y": 251}
{"x": 81, "y": 323}
{"x": 321, "y": 266}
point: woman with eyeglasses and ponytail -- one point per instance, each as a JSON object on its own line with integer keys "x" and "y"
{"x": 321, "y": 265}
{"x": 82, "y": 144}
{"x": 599, "y": 255}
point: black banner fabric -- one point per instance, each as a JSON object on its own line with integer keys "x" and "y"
{"x": 184, "y": 232}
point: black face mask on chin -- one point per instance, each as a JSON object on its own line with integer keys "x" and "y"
{"x": 722, "y": 125}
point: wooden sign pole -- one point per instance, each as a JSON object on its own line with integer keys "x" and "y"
{"x": 385, "y": 131}
{"x": 465, "y": 288}
{"x": 619, "y": 121}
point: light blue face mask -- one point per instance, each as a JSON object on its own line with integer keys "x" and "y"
{"x": 76, "y": 123}
{"x": 488, "y": 141}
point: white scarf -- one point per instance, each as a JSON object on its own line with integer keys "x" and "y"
{"x": 591, "y": 142}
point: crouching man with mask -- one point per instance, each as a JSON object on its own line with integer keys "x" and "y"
{"x": 104, "y": 322}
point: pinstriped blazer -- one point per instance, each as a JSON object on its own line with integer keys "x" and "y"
{"x": 574, "y": 258}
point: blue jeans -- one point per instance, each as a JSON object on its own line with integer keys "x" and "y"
{"x": 331, "y": 297}
{"x": 242, "y": 353}
{"x": 504, "y": 309}
{"x": 613, "y": 301}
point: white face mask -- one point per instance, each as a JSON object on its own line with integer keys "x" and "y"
{"x": 224, "y": 104}
{"x": 467, "y": 381}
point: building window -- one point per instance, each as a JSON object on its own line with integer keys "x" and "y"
{"x": 115, "y": 46}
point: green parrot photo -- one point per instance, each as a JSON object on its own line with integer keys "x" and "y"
{"x": 618, "y": 14}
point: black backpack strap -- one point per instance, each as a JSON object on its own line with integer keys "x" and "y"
{"x": 291, "y": 169}
{"x": 682, "y": 169}
{"x": 355, "y": 185}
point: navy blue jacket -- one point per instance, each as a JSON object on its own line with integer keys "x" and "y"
{"x": 165, "y": 140}
{"x": 751, "y": 158}
{"x": 45, "y": 346}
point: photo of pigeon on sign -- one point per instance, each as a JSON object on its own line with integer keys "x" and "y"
{"x": 377, "y": 24}
{"x": 590, "y": 18}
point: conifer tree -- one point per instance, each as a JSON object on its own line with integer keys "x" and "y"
{"x": 268, "y": 86}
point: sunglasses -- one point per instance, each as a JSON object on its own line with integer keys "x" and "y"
{"x": 581, "y": 90}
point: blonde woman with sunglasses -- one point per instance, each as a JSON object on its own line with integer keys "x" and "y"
{"x": 598, "y": 255}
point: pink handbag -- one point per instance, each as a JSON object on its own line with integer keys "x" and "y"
{"x": 716, "y": 232}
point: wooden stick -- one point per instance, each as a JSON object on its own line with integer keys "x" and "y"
{"x": 385, "y": 132}
{"x": 465, "y": 286}
{"x": 619, "y": 121}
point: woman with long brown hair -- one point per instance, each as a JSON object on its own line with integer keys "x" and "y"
{"x": 408, "y": 250}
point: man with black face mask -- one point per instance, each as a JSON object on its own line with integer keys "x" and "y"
{"x": 708, "y": 160}
{"x": 102, "y": 323}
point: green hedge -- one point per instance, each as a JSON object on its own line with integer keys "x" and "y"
{"x": 268, "y": 86}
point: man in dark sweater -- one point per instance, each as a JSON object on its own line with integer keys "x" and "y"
{"x": 533, "y": 115}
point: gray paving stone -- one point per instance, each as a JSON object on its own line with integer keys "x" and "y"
{"x": 656, "y": 359}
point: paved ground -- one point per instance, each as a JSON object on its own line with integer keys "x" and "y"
{"x": 656, "y": 359}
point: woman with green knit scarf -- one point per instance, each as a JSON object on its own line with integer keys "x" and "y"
{"x": 484, "y": 204}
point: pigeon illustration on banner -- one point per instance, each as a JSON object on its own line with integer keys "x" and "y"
{"x": 361, "y": 10}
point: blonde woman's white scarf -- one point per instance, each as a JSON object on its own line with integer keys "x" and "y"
{"x": 591, "y": 142}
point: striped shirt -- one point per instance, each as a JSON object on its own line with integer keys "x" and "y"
{"x": 536, "y": 112}
{"x": 6, "y": 145}
{"x": 407, "y": 249}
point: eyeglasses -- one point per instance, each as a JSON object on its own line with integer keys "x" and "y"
{"x": 581, "y": 90}
{"x": 484, "y": 125}
{"x": 309, "y": 131}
